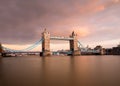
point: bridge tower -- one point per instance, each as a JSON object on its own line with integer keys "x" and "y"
{"x": 46, "y": 43}
{"x": 74, "y": 45}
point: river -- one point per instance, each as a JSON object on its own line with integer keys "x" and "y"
{"x": 60, "y": 71}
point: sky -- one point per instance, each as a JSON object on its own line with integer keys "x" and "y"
{"x": 96, "y": 22}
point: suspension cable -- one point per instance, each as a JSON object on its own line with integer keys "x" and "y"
{"x": 26, "y": 49}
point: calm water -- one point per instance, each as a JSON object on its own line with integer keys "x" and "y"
{"x": 60, "y": 71}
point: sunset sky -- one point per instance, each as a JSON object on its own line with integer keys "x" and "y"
{"x": 96, "y": 22}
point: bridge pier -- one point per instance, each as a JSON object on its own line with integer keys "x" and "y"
{"x": 46, "y": 44}
{"x": 74, "y": 45}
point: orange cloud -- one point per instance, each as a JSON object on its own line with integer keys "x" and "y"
{"x": 116, "y": 1}
{"x": 81, "y": 31}
{"x": 94, "y": 6}
{"x": 99, "y": 8}
{"x": 111, "y": 3}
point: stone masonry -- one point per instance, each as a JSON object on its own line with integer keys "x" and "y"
{"x": 46, "y": 43}
{"x": 74, "y": 45}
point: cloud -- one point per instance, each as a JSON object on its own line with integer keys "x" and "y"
{"x": 22, "y": 21}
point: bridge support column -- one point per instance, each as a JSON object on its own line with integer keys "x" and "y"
{"x": 74, "y": 45}
{"x": 46, "y": 44}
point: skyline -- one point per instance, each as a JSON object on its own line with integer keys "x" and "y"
{"x": 96, "y": 22}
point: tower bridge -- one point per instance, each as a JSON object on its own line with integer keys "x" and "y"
{"x": 46, "y": 43}
{"x": 76, "y": 48}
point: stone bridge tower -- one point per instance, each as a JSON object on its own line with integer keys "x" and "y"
{"x": 74, "y": 45}
{"x": 46, "y": 43}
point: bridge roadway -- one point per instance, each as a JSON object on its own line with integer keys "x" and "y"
{"x": 12, "y": 54}
{"x": 82, "y": 50}
{"x": 61, "y": 38}
{"x": 23, "y": 52}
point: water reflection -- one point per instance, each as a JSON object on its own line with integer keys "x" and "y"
{"x": 56, "y": 71}
{"x": 60, "y": 71}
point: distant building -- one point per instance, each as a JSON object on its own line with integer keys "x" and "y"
{"x": 99, "y": 47}
{"x": 116, "y": 50}
{"x": 101, "y": 50}
{"x": 108, "y": 51}
{"x": 113, "y": 51}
